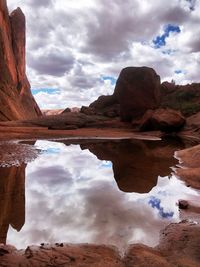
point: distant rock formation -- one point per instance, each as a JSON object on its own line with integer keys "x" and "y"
{"x": 16, "y": 100}
{"x": 47, "y": 112}
{"x": 185, "y": 98}
{"x": 137, "y": 90}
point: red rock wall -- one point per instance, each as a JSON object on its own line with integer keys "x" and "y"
{"x": 16, "y": 100}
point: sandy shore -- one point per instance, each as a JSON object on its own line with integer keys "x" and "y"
{"x": 189, "y": 170}
{"x": 179, "y": 246}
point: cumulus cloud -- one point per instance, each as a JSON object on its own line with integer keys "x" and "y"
{"x": 71, "y": 45}
{"x": 39, "y": 3}
{"x": 52, "y": 62}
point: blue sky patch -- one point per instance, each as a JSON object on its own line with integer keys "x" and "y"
{"x": 178, "y": 71}
{"x": 161, "y": 40}
{"x": 50, "y": 91}
{"x": 110, "y": 78}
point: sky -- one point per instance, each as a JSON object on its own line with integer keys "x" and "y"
{"x": 76, "y": 49}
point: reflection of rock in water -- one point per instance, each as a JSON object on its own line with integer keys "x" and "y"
{"x": 136, "y": 163}
{"x": 12, "y": 199}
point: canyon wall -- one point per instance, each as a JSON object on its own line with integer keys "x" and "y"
{"x": 16, "y": 100}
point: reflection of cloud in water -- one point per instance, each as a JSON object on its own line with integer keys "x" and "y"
{"x": 53, "y": 177}
{"x": 71, "y": 198}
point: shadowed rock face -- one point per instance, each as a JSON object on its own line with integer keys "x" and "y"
{"x": 106, "y": 105}
{"x": 136, "y": 164}
{"x": 12, "y": 199}
{"x": 166, "y": 120}
{"x": 137, "y": 90}
{"x": 16, "y": 100}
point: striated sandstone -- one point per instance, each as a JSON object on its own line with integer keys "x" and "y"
{"x": 16, "y": 100}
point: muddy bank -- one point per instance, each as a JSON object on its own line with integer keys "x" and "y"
{"x": 33, "y": 133}
{"x": 189, "y": 170}
{"x": 179, "y": 246}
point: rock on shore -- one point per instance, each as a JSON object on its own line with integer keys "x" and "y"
{"x": 190, "y": 160}
{"x": 179, "y": 246}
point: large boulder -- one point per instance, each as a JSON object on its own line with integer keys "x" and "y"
{"x": 16, "y": 100}
{"x": 166, "y": 120}
{"x": 137, "y": 90}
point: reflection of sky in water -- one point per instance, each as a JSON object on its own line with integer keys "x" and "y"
{"x": 71, "y": 196}
{"x": 106, "y": 164}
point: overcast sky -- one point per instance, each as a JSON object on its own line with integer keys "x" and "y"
{"x": 76, "y": 49}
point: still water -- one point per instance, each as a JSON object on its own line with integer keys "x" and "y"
{"x": 116, "y": 192}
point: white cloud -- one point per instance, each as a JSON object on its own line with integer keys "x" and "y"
{"x": 72, "y": 44}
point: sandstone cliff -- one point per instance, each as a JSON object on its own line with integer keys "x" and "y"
{"x": 16, "y": 100}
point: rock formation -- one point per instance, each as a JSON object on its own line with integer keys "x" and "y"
{"x": 185, "y": 98}
{"x": 49, "y": 112}
{"x": 16, "y": 100}
{"x": 166, "y": 120}
{"x": 106, "y": 105}
{"x": 137, "y": 90}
